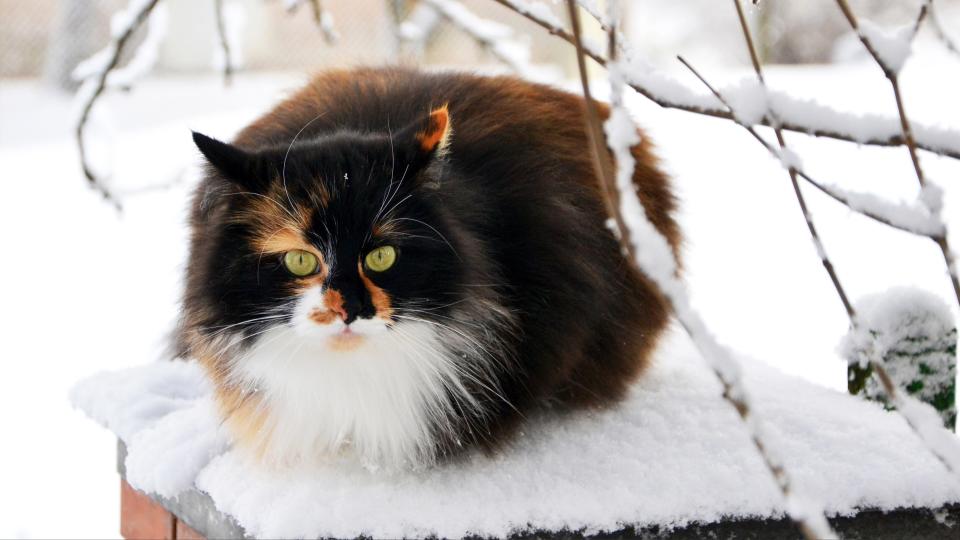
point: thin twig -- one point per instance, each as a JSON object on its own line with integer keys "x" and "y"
{"x": 791, "y": 169}
{"x": 602, "y": 164}
{"x": 924, "y": 11}
{"x": 98, "y": 84}
{"x": 224, "y": 42}
{"x": 891, "y": 73}
{"x": 718, "y": 112}
{"x": 654, "y": 262}
{"x": 941, "y": 32}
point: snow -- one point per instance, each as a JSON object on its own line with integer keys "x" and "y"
{"x": 890, "y": 318}
{"x": 892, "y": 47}
{"x": 912, "y": 334}
{"x": 905, "y": 215}
{"x": 790, "y": 160}
{"x": 671, "y": 455}
{"x": 124, "y": 402}
{"x": 749, "y": 101}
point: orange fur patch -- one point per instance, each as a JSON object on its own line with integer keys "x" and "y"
{"x": 437, "y": 131}
{"x": 322, "y": 316}
{"x": 277, "y": 228}
{"x": 244, "y": 413}
{"x": 379, "y": 297}
{"x": 333, "y": 300}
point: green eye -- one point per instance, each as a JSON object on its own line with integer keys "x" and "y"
{"x": 300, "y": 263}
{"x": 381, "y": 258}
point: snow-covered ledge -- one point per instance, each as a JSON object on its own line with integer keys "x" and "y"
{"x": 672, "y": 461}
{"x": 193, "y": 514}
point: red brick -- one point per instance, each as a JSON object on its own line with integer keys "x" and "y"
{"x": 184, "y": 532}
{"x": 143, "y": 519}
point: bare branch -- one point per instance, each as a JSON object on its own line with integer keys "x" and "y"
{"x": 224, "y": 42}
{"x": 829, "y": 122}
{"x": 792, "y": 171}
{"x": 924, "y": 11}
{"x": 891, "y": 73}
{"x": 94, "y": 86}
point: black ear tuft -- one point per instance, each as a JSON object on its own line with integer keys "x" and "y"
{"x": 234, "y": 163}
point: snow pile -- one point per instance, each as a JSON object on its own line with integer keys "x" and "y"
{"x": 914, "y": 334}
{"x": 165, "y": 407}
{"x": 893, "y": 47}
{"x": 674, "y": 453}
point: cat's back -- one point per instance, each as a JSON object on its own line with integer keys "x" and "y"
{"x": 489, "y": 114}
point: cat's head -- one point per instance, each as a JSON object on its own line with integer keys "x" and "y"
{"x": 335, "y": 237}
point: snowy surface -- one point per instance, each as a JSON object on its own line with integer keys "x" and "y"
{"x": 112, "y": 298}
{"x": 672, "y": 454}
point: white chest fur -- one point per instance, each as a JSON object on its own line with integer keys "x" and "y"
{"x": 382, "y": 401}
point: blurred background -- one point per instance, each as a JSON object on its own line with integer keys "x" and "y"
{"x": 87, "y": 288}
{"x": 47, "y": 38}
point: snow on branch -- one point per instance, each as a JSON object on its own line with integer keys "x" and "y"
{"x": 797, "y": 115}
{"x": 911, "y": 218}
{"x": 95, "y": 72}
{"x": 888, "y": 53}
{"x": 921, "y": 418}
{"x": 650, "y": 251}
{"x": 496, "y": 38}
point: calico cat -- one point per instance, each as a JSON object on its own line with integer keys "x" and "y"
{"x": 404, "y": 265}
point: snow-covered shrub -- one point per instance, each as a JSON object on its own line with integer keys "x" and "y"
{"x": 913, "y": 334}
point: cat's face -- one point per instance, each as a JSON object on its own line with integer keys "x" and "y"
{"x": 336, "y": 239}
{"x": 328, "y": 288}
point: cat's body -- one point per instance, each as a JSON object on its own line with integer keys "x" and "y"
{"x": 503, "y": 288}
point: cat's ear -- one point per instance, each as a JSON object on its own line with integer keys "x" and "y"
{"x": 434, "y": 136}
{"x": 427, "y": 137}
{"x": 236, "y": 164}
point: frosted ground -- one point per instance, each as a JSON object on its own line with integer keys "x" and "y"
{"x": 86, "y": 289}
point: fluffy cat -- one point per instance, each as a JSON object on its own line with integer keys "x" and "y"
{"x": 402, "y": 266}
